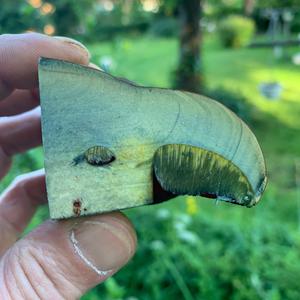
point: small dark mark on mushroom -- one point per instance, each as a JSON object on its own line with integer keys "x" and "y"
{"x": 77, "y": 207}
{"x": 95, "y": 156}
{"x": 78, "y": 159}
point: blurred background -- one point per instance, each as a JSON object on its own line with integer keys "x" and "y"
{"x": 245, "y": 54}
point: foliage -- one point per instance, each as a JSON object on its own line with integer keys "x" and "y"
{"x": 277, "y": 3}
{"x": 295, "y": 26}
{"x": 217, "y": 9}
{"x": 203, "y": 257}
{"x": 17, "y": 16}
{"x": 123, "y": 17}
{"x": 236, "y": 31}
{"x": 165, "y": 27}
{"x": 68, "y": 17}
{"x": 71, "y": 16}
{"x": 86, "y": 20}
{"x": 168, "y": 7}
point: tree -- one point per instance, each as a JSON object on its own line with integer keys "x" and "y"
{"x": 249, "y": 7}
{"x": 71, "y": 16}
{"x": 278, "y": 3}
{"x": 188, "y": 75}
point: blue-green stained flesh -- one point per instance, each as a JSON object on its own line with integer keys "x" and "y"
{"x": 110, "y": 144}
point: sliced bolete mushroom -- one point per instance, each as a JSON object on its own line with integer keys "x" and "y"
{"x": 114, "y": 145}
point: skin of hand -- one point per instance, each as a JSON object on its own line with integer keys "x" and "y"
{"x": 60, "y": 259}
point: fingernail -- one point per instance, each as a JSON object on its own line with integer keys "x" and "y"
{"x": 75, "y": 43}
{"x": 94, "y": 66}
{"x": 104, "y": 247}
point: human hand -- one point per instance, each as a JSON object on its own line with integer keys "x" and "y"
{"x": 60, "y": 259}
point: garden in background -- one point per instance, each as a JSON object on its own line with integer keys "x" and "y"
{"x": 192, "y": 247}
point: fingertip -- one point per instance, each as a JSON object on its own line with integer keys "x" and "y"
{"x": 94, "y": 66}
{"x": 73, "y": 42}
{"x": 104, "y": 244}
{"x": 19, "y": 55}
{"x": 80, "y": 252}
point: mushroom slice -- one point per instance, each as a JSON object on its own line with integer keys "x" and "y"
{"x": 132, "y": 145}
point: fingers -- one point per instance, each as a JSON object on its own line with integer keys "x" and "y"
{"x": 18, "y": 134}
{"x": 18, "y": 203}
{"x": 63, "y": 259}
{"x": 19, "y": 55}
{"x": 5, "y": 163}
{"x": 18, "y": 102}
{"x": 23, "y": 100}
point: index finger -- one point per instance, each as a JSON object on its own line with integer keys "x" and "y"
{"x": 19, "y": 56}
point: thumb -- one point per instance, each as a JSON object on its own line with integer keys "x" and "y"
{"x": 63, "y": 259}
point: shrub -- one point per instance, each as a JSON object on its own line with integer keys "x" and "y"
{"x": 236, "y": 31}
{"x": 165, "y": 27}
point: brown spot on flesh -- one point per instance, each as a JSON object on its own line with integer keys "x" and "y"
{"x": 77, "y": 207}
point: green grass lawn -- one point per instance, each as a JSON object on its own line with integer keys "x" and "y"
{"x": 227, "y": 252}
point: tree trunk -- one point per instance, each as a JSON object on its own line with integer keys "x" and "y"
{"x": 249, "y": 7}
{"x": 188, "y": 74}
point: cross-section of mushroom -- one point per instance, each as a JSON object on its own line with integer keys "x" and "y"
{"x": 111, "y": 143}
